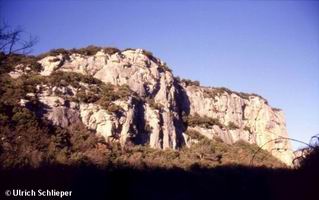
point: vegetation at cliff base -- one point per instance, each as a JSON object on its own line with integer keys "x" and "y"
{"x": 129, "y": 181}
{"x": 26, "y": 141}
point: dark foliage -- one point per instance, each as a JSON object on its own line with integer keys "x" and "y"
{"x": 194, "y": 134}
{"x": 189, "y": 82}
{"x": 217, "y": 91}
{"x": 154, "y": 105}
{"x": 8, "y": 62}
{"x": 206, "y": 122}
{"x": 232, "y": 126}
{"x": 118, "y": 182}
{"x": 86, "y": 51}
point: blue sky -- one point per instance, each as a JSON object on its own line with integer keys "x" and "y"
{"x": 265, "y": 47}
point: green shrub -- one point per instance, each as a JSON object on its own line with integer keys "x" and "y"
{"x": 127, "y": 49}
{"x": 148, "y": 54}
{"x": 111, "y": 50}
{"x": 155, "y": 105}
{"x": 87, "y": 51}
{"x": 195, "y": 134}
{"x": 189, "y": 82}
{"x": 114, "y": 108}
{"x": 205, "y": 122}
{"x": 55, "y": 52}
{"x": 232, "y": 126}
{"x": 123, "y": 91}
{"x": 11, "y": 90}
{"x": 276, "y": 109}
{"x": 97, "y": 92}
{"x": 165, "y": 67}
{"x": 90, "y": 50}
{"x": 23, "y": 116}
{"x": 217, "y": 91}
{"x": 71, "y": 78}
{"x": 8, "y": 62}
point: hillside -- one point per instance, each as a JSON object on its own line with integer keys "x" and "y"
{"x": 104, "y": 106}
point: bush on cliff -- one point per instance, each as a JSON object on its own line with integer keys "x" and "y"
{"x": 90, "y": 50}
{"x": 202, "y": 121}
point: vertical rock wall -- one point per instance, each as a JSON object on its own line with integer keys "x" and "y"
{"x": 156, "y": 118}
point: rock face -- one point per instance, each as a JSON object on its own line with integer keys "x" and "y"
{"x": 246, "y": 117}
{"x": 158, "y": 113}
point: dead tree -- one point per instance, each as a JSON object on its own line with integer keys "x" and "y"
{"x": 15, "y": 41}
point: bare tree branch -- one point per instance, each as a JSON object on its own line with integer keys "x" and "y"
{"x": 13, "y": 40}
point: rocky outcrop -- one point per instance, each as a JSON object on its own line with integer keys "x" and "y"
{"x": 158, "y": 113}
{"x": 242, "y": 117}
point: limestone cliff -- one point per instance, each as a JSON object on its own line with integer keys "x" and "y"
{"x": 159, "y": 109}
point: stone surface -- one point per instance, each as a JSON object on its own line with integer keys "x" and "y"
{"x": 257, "y": 122}
{"x": 156, "y": 118}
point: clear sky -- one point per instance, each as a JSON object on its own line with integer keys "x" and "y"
{"x": 265, "y": 47}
